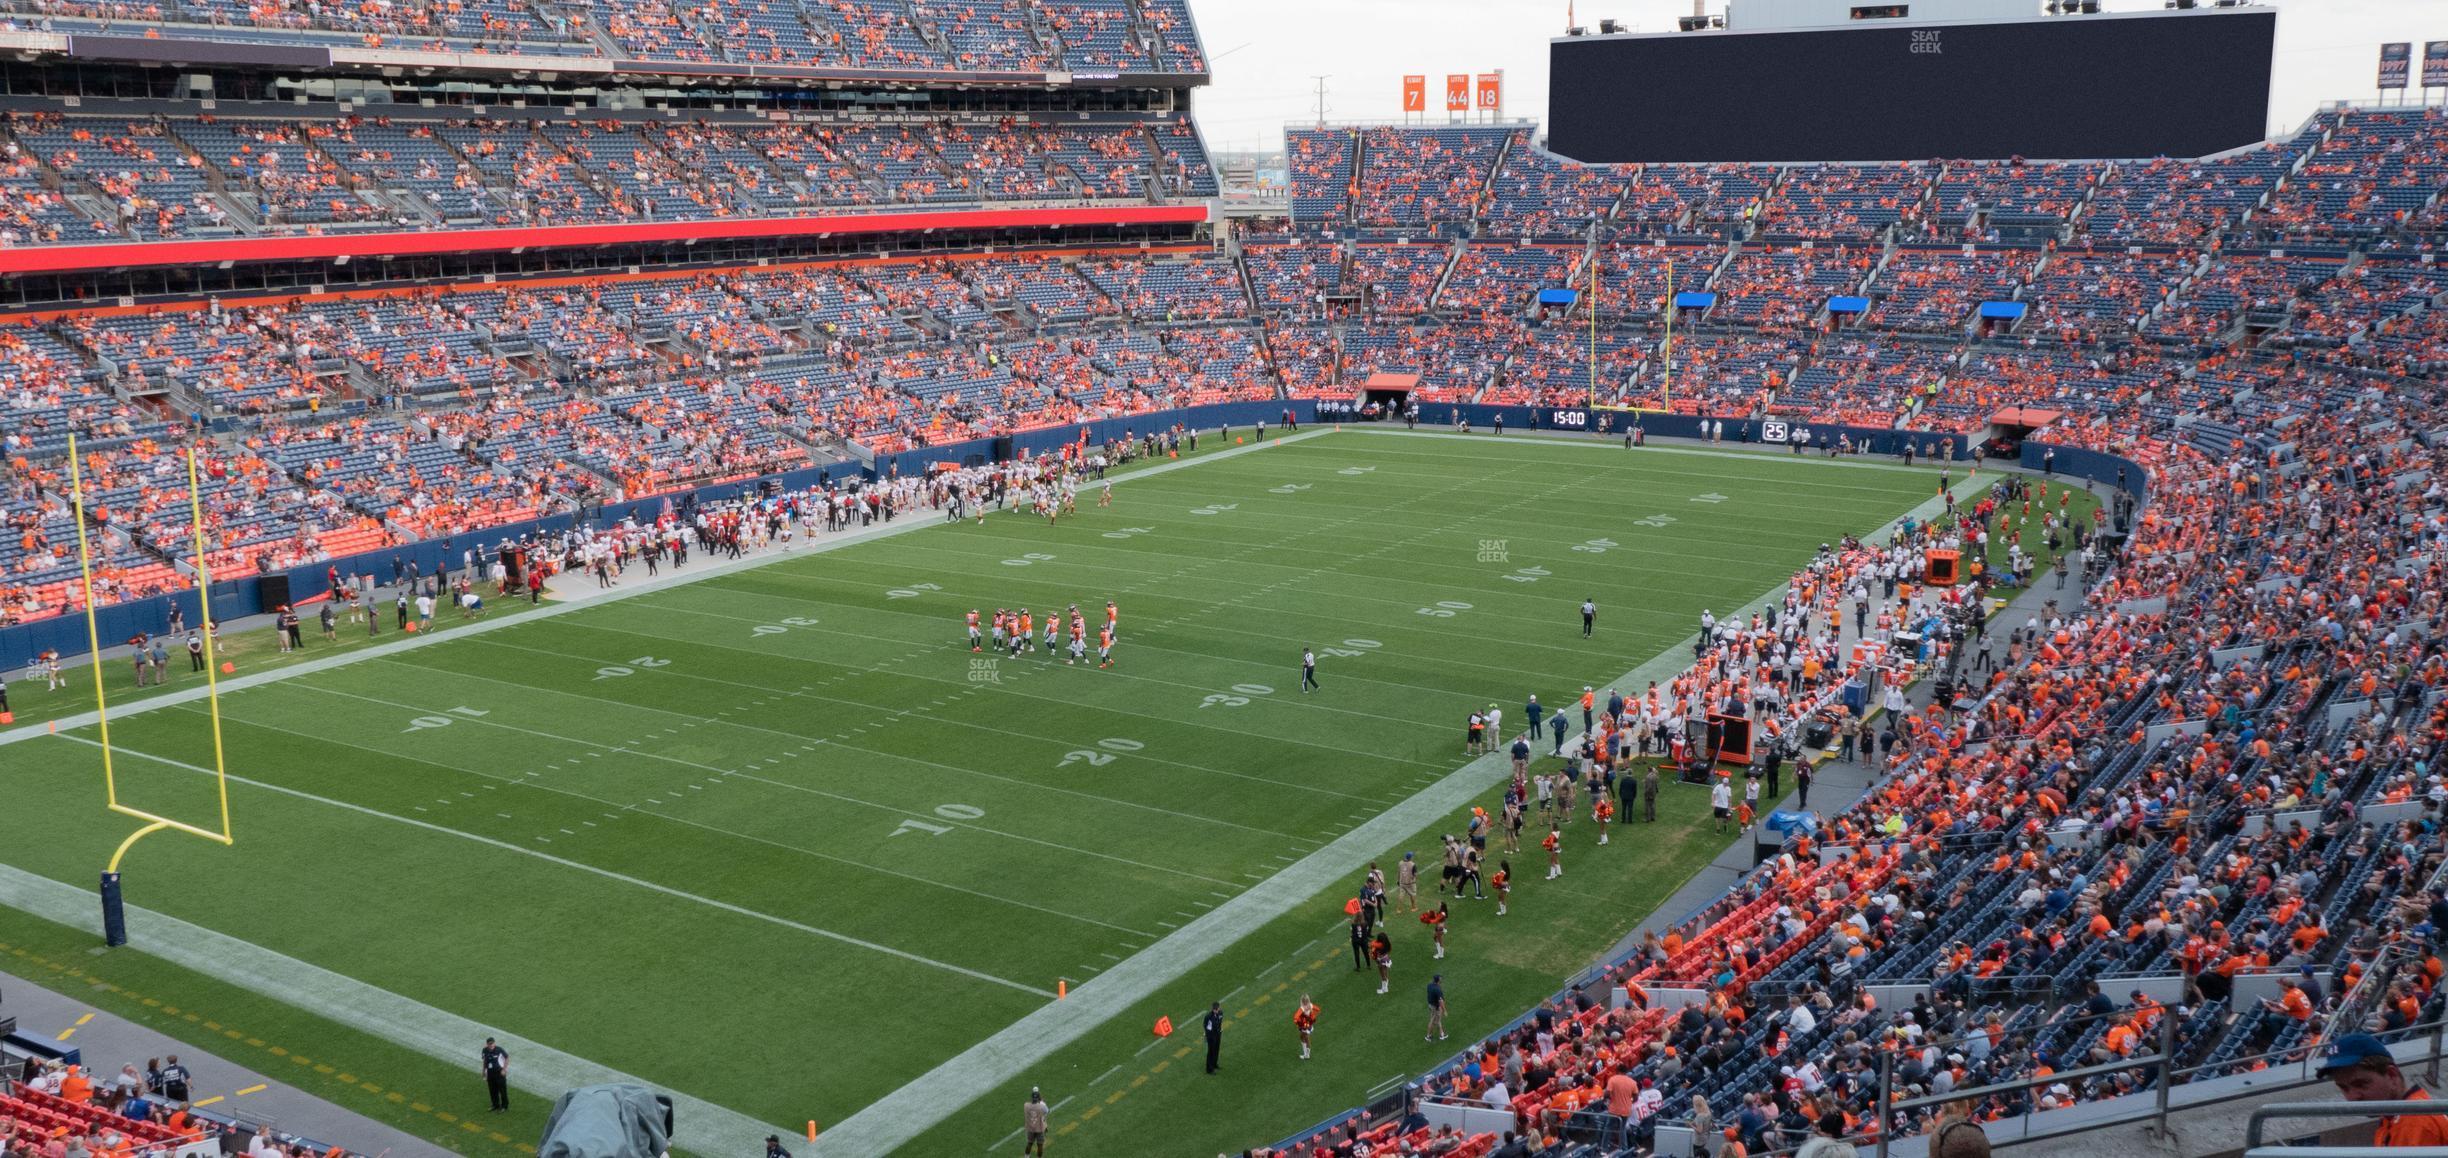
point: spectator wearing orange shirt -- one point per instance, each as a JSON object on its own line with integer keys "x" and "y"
{"x": 2365, "y": 1071}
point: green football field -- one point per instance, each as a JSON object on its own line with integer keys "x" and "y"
{"x": 777, "y": 840}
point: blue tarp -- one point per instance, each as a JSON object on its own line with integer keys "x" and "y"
{"x": 1558, "y": 297}
{"x": 2007, "y": 311}
{"x": 1695, "y": 301}
{"x": 1848, "y": 305}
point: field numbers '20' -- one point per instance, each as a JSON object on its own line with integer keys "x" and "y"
{"x": 1215, "y": 508}
{"x": 911, "y": 591}
{"x": 1238, "y": 697}
{"x": 1445, "y": 609}
{"x": 1096, "y": 759}
{"x": 785, "y": 625}
{"x": 421, "y": 723}
{"x": 948, "y": 812}
{"x": 1029, "y": 560}
{"x": 616, "y": 671}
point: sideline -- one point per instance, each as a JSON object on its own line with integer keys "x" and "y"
{"x": 901, "y": 1116}
{"x": 568, "y": 601}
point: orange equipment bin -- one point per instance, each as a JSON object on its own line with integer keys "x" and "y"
{"x": 1943, "y": 568}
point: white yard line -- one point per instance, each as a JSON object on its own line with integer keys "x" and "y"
{"x": 605, "y": 873}
{"x": 576, "y": 598}
{"x": 702, "y": 1127}
{"x": 901, "y": 1116}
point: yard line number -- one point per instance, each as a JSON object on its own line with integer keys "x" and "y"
{"x": 785, "y": 625}
{"x": 1029, "y": 560}
{"x": 1239, "y": 696}
{"x": 911, "y": 591}
{"x": 1113, "y": 746}
{"x": 948, "y": 812}
{"x": 1445, "y": 609}
{"x": 421, "y": 723}
{"x": 616, "y": 671}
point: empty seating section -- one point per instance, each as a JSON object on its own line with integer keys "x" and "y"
{"x": 1937, "y": 289}
{"x": 1783, "y": 288}
{"x": 142, "y": 183}
{"x": 2376, "y": 169}
{"x": 1552, "y": 366}
{"x": 1171, "y": 291}
{"x": 1290, "y": 277}
{"x": 1537, "y": 194}
{"x": 1503, "y": 281}
{"x": 2180, "y": 203}
{"x": 1398, "y": 279}
{"x": 2237, "y": 288}
{"x": 1843, "y": 202}
{"x": 2007, "y": 200}
{"x": 67, "y": 179}
{"x": 1421, "y": 180}
{"x": 2088, "y": 297}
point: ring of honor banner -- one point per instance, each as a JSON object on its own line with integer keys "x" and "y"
{"x": 1415, "y": 94}
{"x": 2394, "y": 57}
{"x": 2435, "y": 64}
{"x": 1457, "y": 92}
{"x": 1491, "y": 91}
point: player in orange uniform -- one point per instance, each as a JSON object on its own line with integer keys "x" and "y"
{"x": 1105, "y": 646}
{"x": 1113, "y": 619}
{"x": 1304, "y": 1019}
{"x": 1020, "y": 637}
{"x": 974, "y": 637}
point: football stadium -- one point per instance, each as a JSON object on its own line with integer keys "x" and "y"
{"x": 605, "y": 578}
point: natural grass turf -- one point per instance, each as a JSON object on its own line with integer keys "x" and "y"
{"x": 803, "y": 733}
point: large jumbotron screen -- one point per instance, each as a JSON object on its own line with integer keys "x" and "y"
{"x": 2180, "y": 84}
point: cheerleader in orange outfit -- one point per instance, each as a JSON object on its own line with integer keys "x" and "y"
{"x": 1304, "y": 1019}
{"x": 1435, "y": 920}
{"x": 1504, "y": 885}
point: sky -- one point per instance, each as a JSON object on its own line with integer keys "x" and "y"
{"x": 1266, "y": 54}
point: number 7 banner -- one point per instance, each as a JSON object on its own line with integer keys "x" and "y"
{"x": 1415, "y": 94}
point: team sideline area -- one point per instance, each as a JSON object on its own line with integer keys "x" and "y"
{"x": 840, "y": 563}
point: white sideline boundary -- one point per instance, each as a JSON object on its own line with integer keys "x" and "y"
{"x": 700, "y": 1126}
{"x": 572, "y": 600}
{"x": 899, "y": 1117}
{"x": 902, "y": 1115}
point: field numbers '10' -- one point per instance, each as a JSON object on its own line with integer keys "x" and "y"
{"x": 911, "y": 591}
{"x": 948, "y": 812}
{"x": 617, "y": 671}
{"x": 1096, "y": 759}
{"x": 1239, "y": 696}
{"x": 1029, "y": 560}
{"x": 421, "y": 723}
{"x": 785, "y": 625}
{"x": 1445, "y": 609}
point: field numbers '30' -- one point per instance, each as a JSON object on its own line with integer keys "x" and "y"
{"x": 1092, "y": 758}
{"x": 948, "y": 812}
{"x": 911, "y": 591}
{"x": 1238, "y": 697}
{"x": 1445, "y": 609}
{"x": 616, "y": 671}
{"x": 421, "y": 723}
{"x": 785, "y": 625}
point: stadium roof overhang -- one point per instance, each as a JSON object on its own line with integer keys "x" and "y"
{"x": 344, "y": 246}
